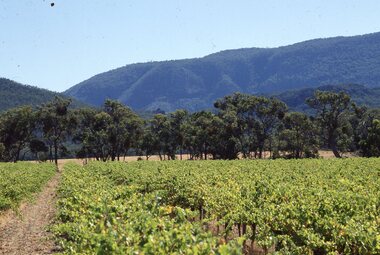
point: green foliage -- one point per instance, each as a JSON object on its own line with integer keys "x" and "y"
{"x": 250, "y": 122}
{"x": 162, "y": 142}
{"x": 370, "y": 145}
{"x": 92, "y": 134}
{"x": 108, "y": 134}
{"x": 20, "y": 181}
{"x": 57, "y": 124}
{"x": 332, "y": 110}
{"x": 165, "y": 134}
{"x": 299, "y": 137}
{"x": 294, "y": 206}
{"x": 2, "y": 149}
{"x": 360, "y": 95}
{"x": 194, "y": 84}
{"x": 101, "y": 214}
{"x": 16, "y": 130}
{"x": 243, "y": 125}
{"x": 37, "y": 146}
{"x": 177, "y": 122}
{"x": 124, "y": 129}
{"x": 203, "y": 132}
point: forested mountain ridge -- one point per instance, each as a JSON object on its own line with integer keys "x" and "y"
{"x": 361, "y": 95}
{"x": 14, "y": 94}
{"x": 194, "y": 84}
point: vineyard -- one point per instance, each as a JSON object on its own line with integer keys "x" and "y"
{"x": 221, "y": 207}
{"x": 20, "y": 181}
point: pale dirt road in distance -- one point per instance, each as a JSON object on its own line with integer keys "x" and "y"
{"x": 323, "y": 154}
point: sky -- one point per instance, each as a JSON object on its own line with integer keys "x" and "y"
{"x": 56, "y": 47}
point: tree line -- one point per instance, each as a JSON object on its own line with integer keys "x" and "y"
{"x": 241, "y": 126}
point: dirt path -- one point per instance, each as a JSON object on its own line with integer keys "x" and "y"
{"x": 26, "y": 233}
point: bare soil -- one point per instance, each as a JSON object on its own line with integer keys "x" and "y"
{"x": 26, "y": 232}
{"x": 322, "y": 153}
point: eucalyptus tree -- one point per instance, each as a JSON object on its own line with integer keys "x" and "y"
{"x": 109, "y": 133}
{"x": 332, "y": 116}
{"x": 202, "y": 135}
{"x": 234, "y": 133}
{"x": 2, "y": 150}
{"x": 38, "y": 147}
{"x": 57, "y": 123}
{"x": 163, "y": 139}
{"x": 177, "y": 121}
{"x": 299, "y": 136}
{"x": 368, "y": 131}
{"x": 124, "y": 130}
{"x": 253, "y": 120}
{"x": 149, "y": 143}
{"x": 92, "y": 134}
{"x": 371, "y": 144}
{"x": 17, "y": 126}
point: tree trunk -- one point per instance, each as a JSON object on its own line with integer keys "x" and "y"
{"x": 270, "y": 148}
{"x": 335, "y": 151}
{"x": 56, "y": 153}
{"x": 260, "y": 153}
{"x": 333, "y": 146}
{"x": 17, "y": 157}
{"x": 244, "y": 231}
{"x": 50, "y": 153}
{"x": 200, "y": 212}
{"x": 253, "y": 237}
{"x": 226, "y": 231}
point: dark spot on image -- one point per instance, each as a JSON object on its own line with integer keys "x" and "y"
{"x": 52, "y": 4}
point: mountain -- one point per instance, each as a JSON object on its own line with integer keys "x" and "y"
{"x": 194, "y": 84}
{"x": 14, "y": 94}
{"x": 361, "y": 95}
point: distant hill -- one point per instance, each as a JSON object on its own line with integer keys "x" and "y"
{"x": 14, "y": 94}
{"x": 361, "y": 95}
{"x": 194, "y": 84}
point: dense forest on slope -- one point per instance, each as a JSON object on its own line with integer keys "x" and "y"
{"x": 194, "y": 84}
{"x": 361, "y": 95}
{"x": 14, "y": 94}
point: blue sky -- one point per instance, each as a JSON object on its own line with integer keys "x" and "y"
{"x": 58, "y": 47}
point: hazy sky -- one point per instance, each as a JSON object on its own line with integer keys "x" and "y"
{"x": 57, "y": 47}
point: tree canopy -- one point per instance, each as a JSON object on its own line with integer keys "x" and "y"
{"x": 241, "y": 126}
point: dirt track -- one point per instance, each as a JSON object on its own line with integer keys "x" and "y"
{"x": 26, "y": 233}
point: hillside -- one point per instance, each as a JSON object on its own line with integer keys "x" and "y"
{"x": 361, "y": 95}
{"x": 195, "y": 83}
{"x": 14, "y": 94}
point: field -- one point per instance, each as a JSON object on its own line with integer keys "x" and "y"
{"x": 221, "y": 207}
{"x": 20, "y": 181}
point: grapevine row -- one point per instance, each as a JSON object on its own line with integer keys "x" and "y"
{"x": 282, "y": 206}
